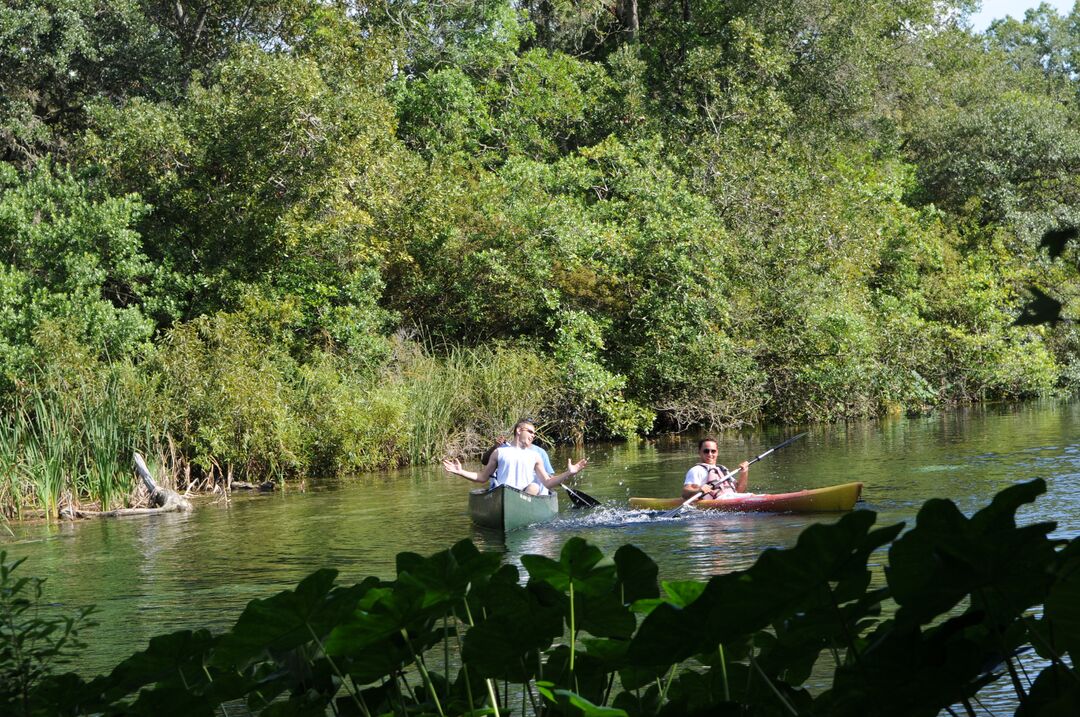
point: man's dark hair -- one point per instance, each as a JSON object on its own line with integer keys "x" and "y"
{"x": 706, "y": 439}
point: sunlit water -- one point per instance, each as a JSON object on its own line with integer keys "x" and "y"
{"x": 152, "y": 575}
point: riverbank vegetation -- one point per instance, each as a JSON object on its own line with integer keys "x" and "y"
{"x": 963, "y": 607}
{"x": 274, "y": 237}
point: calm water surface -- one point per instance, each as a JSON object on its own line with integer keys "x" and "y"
{"x": 153, "y": 575}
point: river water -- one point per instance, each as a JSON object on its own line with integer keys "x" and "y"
{"x": 149, "y": 576}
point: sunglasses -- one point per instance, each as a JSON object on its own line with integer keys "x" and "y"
{"x": 708, "y": 450}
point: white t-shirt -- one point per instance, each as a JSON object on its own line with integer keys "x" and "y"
{"x": 517, "y": 468}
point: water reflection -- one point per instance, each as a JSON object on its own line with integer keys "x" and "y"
{"x": 149, "y": 576}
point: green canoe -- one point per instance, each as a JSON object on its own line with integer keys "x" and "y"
{"x": 506, "y": 508}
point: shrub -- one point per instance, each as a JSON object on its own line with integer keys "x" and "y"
{"x": 227, "y": 398}
{"x": 32, "y": 643}
{"x": 350, "y": 423}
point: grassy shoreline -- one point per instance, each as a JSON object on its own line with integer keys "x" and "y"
{"x": 217, "y": 412}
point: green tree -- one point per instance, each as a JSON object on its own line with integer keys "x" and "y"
{"x": 477, "y": 36}
{"x": 55, "y": 55}
{"x": 267, "y": 178}
{"x": 1043, "y": 40}
{"x": 990, "y": 139}
{"x": 72, "y": 258}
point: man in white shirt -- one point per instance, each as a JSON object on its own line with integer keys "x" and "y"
{"x": 517, "y": 465}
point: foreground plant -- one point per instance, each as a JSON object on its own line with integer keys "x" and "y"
{"x": 31, "y": 641}
{"x": 460, "y": 633}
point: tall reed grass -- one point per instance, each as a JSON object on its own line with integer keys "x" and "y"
{"x": 435, "y": 400}
{"x": 460, "y": 403}
{"x": 10, "y": 466}
{"x": 70, "y": 446}
{"x": 49, "y": 449}
{"x": 107, "y": 446}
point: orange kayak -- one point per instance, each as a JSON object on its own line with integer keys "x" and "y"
{"x": 816, "y": 500}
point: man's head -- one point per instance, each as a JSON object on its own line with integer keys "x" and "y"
{"x": 524, "y": 431}
{"x": 707, "y": 450}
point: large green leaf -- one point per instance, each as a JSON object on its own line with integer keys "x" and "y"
{"x": 445, "y": 576}
{"x": 636, "y": 573}
{"x": 610, "y": 655}
{"x": 777, "y": 585}
{"x": 604, "y": 615}
{"x": 519, "y": 622}
{"x": 681, "y": 593}
{"x": 783, "y": 581}
{"x": 581, "y": 706}
{"x": 580, "y": 564}
{"x": 388, "y": 626}
{"x": 1059, "y": 629}
{"x": 946, "y": 557}
{"x": 590, "y": 677}
{"x": 172, "y": 700}
{"x": 290, "y": 618}
{"x": 175, "y": 659}
{"x": 1055, "y": 693}
{"x": 908, "y": 673}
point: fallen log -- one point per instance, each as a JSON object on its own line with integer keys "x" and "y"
{"x": 263, "y": 487}
{"x": 77, "y": 513}
{"x": 165, "y": 500}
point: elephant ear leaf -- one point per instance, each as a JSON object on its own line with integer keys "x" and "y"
{"x": 175, "y": 658}
{"x": 637, "y": 574}
{"x": 290, "y": 618}
{"x": 580, "y": 565}
{"x": 1060, "y": 626}
{"x": 1055, "y": 693}
{"x": 947, "y": 557}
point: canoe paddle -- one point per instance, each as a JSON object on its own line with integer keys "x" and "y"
{"x": 579, "y": 499}
{"x": 692, "y": 499}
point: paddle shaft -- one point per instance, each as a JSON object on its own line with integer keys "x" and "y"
{"x": 692, "y": 499}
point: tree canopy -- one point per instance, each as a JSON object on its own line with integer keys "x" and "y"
{"x": 701, "y": 213}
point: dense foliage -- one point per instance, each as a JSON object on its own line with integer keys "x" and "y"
{"x": 815, "y": 629}
{"x": 281, "y": 219}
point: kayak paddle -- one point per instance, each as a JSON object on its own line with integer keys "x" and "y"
{"x": 692, "y": 499}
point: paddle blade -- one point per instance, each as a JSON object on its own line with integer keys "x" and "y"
{"x": 678, "y": 509}
{"x": 581, "y": 500}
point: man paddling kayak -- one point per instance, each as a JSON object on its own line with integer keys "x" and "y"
{"x": 708, "y": 478}
{"x": 517, "y": 465}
